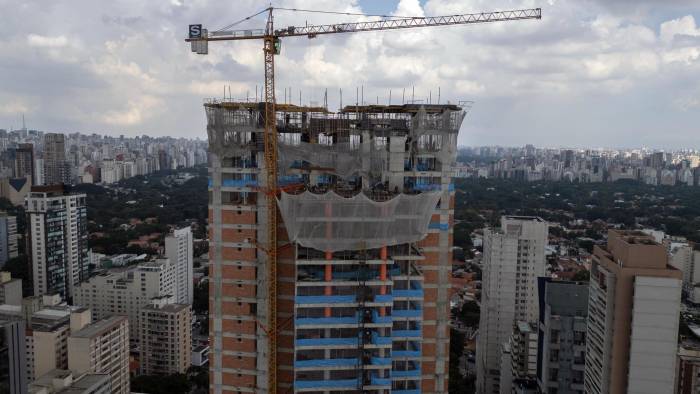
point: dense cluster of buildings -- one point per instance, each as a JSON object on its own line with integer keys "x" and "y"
{"x": 538, "y": 164}
{"x": 88, "y": 330}
{"x": 618, "y": 333}
{"x": 34, "y": 158}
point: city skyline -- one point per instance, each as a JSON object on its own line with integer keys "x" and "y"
{"x": 623, "y": 70}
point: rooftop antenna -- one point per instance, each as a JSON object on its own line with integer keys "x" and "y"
{"x": 362, "y": 94}
{"x": 325, "y": 99}
{"x": 413, "y": 95}
{"x": 24, "y": 125}
{"x": 403, "y": 96}
{"x": 389, "y": 96}
{"x": 430, "y": 97}
{"x": 341, "y": 99}
{"x": 438, "y": 95}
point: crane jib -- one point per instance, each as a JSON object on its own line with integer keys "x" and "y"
{"x": 388, "y": 24}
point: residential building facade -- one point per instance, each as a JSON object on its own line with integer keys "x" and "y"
{"x": 633, "y": 308}
{"x": 13, "y": 362}
{"x": 178, "y": 249}
{"x": 125, "y": 292}
{"x": 166, "y": 338}
{"x": 8, "y": 238}
{"x": 513, "y": 260}
{"x": 102, "y": 347}
{"x": 562, "y": 336}
{"x": 57, "y": 239}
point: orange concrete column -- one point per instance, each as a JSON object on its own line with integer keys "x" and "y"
{"x": 382, "y": 276}
{"x": 328, "y": 274}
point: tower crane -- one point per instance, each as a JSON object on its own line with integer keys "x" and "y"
{"x": 199, "y": 39}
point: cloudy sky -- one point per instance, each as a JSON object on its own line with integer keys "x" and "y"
{"x": 600, "y": 73}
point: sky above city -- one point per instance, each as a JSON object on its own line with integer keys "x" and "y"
{"x": 591, "y": 73}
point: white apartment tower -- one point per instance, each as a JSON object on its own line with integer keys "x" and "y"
{"x": 513, "y": 259}
{"x": 126, "y": 292}
{"x": 178, "y": 249}
{"x": 58, "y": 239}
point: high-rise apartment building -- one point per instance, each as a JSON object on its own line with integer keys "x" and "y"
{"x": 39, "y": 172}
{"x": 686, "y": 258}
{"x": 178, "y": 249}
{"x": 10, "y": 289}
{"x": 125, "y": 292}
{"x": 57, "y": 239}
{"x": 102, "y": 347}
{"x": 56, "y": 168}
{"x": 47, "y": 341}
{"x": 633, "y": 308}
{"x": 688, "y": 368}
{"x": 24, "y": 162}
{"x": 364, "y": 257}
{"x": 562, "y": 336}
{"x": 166, "y": 338}
{"x": 513, "y": 260}
{"x": 8, "y": 237}
{"x": 13, "y": 363}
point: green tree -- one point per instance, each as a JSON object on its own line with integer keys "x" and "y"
{"x": 582, "y": 276}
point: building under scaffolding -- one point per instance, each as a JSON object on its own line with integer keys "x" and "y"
{"x": 366, "y": 213}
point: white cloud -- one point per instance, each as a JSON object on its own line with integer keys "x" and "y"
{"x": 681, "y": 26}
{"x": 13, "y": 108}
{"x": 36, "y": 40}
{"x": 136, "y": 112}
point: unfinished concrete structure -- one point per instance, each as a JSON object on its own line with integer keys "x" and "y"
{"x": 364, "y": 255}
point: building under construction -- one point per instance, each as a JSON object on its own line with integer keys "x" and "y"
{"x": 365, "y": 202}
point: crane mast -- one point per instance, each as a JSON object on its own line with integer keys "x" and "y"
{"x": 270, "y": 141}
{"x": 199, "y": 39}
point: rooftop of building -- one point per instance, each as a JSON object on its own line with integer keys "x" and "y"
{"x": 10, "y": 310}
{"x": 632, "y": 249}
{"x": 100, "y": 327}
{"x": 530, "y": 218}
{"x": 61, "y": 381}
{"x": 167, "y": 308}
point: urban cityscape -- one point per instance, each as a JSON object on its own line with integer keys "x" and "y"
{"x": 446, "y": 227}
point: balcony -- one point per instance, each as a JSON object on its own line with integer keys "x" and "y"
{"x": 324, "y": 299}
{"x": 316, "y": 385}
{"x": 318, "y": 342}
{"x": 313, "y": 321}
{"x": 327, "y": 363}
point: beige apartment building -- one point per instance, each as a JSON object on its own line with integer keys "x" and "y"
{"x": 125, "y": 292}
{"x": 102, "y": 347}
{"x": 633, "y": 307}
{"x": 166, "y": 338}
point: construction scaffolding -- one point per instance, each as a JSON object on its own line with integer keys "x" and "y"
{"x": 361, "y": 193}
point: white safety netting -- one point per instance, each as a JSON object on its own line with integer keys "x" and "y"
{"x": 329, "y": 222}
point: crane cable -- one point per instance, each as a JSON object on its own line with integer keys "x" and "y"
{"x": 318, "y": 12}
